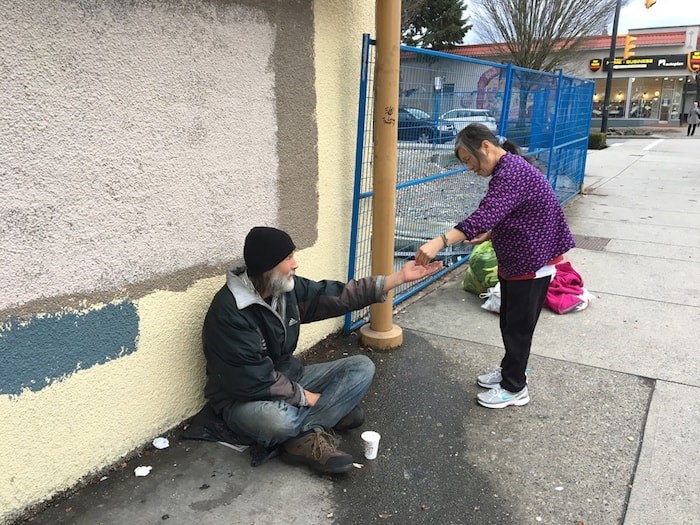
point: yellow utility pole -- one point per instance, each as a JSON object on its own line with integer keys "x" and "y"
{"x": 382, "y": 334}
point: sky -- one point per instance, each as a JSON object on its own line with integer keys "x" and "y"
{"x": 664, "y": 13}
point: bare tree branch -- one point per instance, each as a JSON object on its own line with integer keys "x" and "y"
{"x": 541, "y": 34}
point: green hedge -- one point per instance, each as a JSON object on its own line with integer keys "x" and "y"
{"x": 596, "y": 140}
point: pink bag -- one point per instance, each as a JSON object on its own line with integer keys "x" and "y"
{"x": 566, "y": 292}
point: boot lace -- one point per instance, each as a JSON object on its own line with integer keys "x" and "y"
{"x": 324, "y": 444}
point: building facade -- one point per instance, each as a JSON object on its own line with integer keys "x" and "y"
{"x": 655, "y": 87}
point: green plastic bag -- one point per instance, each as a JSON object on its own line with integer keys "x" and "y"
{"x": 482, "y": 269}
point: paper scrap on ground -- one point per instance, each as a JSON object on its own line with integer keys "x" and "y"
{"x": 161, "y": 443}
{"x": 142, "y": 471}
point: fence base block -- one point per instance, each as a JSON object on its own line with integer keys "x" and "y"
{"x": 381, "y": 341}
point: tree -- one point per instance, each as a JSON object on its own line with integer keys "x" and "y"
{"x": 409, "y": 10}
{"x": 433, "y": 24}
{"x": 542, "y": 34}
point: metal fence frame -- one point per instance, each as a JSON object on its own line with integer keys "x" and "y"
{"x": 547, "y": 114}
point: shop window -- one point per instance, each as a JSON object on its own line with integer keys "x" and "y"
{"x": 646, "y": 97}
{"x": 618, "y": 97}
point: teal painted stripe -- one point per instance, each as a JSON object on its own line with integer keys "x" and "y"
{"x": 36, "y": 353}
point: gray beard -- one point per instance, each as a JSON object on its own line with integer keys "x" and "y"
{"x": 279, "y": 284}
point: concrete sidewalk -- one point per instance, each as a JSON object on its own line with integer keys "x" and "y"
{"x": 609, "y": 437}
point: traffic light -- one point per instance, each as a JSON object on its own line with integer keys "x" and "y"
{"x": 649, "y": 3}
{"x": 629, "y": 46}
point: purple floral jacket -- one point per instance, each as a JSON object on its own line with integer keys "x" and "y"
{"x": 528, "y": 227}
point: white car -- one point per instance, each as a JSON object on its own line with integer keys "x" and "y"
{"x": 462, "y": 117}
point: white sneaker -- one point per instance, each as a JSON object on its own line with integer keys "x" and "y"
{"x": 499, "y": 398}
{"x": 490, "y": 379}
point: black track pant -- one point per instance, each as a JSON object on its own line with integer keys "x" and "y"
{"x": 693, "y": 129}
{"x": 521, "y": 304}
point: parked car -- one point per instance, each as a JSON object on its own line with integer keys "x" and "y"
{"x": 416, "y": 124}
{"x": 462, "y": 117}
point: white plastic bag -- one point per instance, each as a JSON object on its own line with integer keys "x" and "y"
{"x": 493, "y": 299}
{"x": 586, "y": 298}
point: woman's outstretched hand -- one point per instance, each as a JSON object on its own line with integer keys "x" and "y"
{"x": 428, "y": 251}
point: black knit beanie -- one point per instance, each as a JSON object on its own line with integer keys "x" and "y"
{"x": 265, "y": 248}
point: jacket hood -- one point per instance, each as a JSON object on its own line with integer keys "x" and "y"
{"x": 242, "y": 288}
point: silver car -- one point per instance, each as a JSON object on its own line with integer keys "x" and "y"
{"x": 462, "y": 117}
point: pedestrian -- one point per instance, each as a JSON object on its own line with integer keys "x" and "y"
{"x": 693, "y": 118}
{"x": 256, "y": 384}
{"x": 522, "y": 217}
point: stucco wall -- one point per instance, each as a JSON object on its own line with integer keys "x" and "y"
{"x": 339, "y": 27}
{"x": 139, "y": 142}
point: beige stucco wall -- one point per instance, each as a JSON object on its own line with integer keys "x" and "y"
{"x": 337, "y": 131}
{"x": 139, "y": 143}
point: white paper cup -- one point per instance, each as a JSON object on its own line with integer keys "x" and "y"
{"x": 370, "y": 438}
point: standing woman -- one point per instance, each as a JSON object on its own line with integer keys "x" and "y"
{"x": 522, "y": 217}
{"x": 693, "y": 118}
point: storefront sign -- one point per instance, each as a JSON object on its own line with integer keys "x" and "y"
{"x": 595, "y": 64}
{"x": 649, "y": 63}
{"x": 694, "y": 61}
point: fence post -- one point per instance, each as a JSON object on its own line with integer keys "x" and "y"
{"x": 505, "y": 108}
{"x": 553, "y": 153}
{"x": 359, "y": 140}
{"x": 382, "y": 334}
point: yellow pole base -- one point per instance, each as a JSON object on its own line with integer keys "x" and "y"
{"x": 381, "y": 341}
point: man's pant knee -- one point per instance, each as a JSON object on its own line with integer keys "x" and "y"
{"x": 363, "y": 364}
{"x": 363, "y": 368}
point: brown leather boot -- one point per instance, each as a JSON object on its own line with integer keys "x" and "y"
{"x": 352, "y": 419}
{"x": 316, "y": 448}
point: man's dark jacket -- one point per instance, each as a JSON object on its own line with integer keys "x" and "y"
{"x": 248, "y": 345}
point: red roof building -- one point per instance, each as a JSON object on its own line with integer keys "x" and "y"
{"x": 655, "y": 86}
{"x": 656, "y": 39}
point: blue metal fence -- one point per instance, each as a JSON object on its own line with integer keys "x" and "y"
{"x": 547, "y": 114}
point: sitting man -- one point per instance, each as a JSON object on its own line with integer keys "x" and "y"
{"x": 250, "y": 333}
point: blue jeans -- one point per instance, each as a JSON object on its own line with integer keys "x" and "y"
{"x": 342, "y": 385}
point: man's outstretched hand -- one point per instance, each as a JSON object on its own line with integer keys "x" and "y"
{"x": 413, "y": 271}
{"x": 410, "y": 272}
